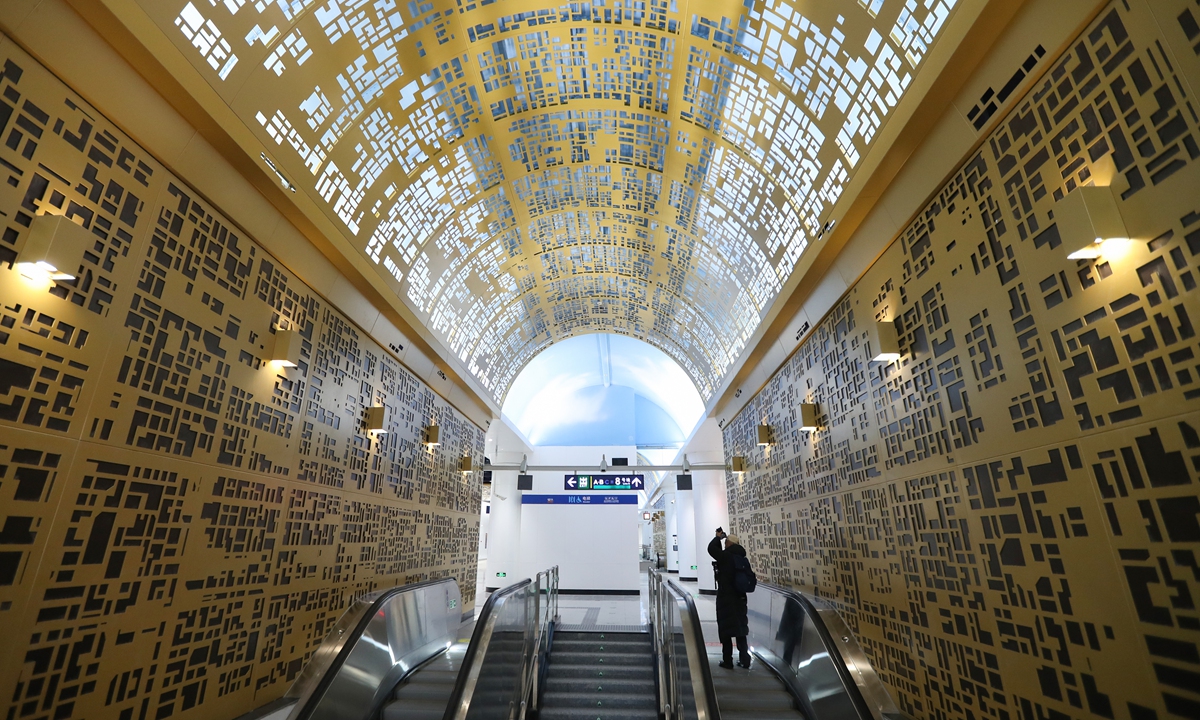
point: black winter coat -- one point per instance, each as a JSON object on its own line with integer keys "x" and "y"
{"x": 731, "y": 604}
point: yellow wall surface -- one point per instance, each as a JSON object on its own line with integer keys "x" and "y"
{"x": 180, "y": 520}
{"x": 1008, "y": 516}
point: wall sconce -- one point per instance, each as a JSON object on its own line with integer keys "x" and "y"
{"x": 53, "y": 247}
{"x": 464, "y": 464}
{"x": 737, "y": 463}
{"x": 287, "y": 348}
{"x": 808, "y": 416}
{"x": 1087, "y": 219}
{"x": 376, "y": 419}
{"x": 764, "y": 435}
{"x": 889, "y": 342}
{"x": 645, "y": 516}
{"x": 433, "y": 436}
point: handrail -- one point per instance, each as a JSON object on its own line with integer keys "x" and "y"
{"x": 536, "y": 625}
{"x": 861, "y": 687}
{"x": 668, "y": 603}
{"x": 322, "y": 676}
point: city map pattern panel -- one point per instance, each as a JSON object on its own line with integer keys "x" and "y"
{"x": 181, "y": 519}
{"x": 1008, "y": 515}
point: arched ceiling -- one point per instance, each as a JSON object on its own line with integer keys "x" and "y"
{"x": 525, "y": 171}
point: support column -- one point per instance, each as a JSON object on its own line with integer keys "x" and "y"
{"x": 504, "y": 534}
{"x": 710, "y": 510}
{"x": 672, "y": 533}
{"x": 687, "y": 535}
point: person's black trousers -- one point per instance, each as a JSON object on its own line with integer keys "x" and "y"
{"x": 727, "y": 649}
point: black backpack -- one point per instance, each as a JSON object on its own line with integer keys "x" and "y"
{"x": 744, "y": 579}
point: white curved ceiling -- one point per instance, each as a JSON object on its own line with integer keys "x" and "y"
{"x": 526, "y": 171}
{"x": 585, "y": 390}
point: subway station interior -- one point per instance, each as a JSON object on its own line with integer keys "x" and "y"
{"x": 441, "y": 359}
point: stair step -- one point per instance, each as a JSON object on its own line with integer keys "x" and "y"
{"x": 555, "y": 683}
{"x": 600, "y": 713}
{"x": 571, "y": 657}
{"x": 559, "y": 669}
{"x": 599, "y": 699}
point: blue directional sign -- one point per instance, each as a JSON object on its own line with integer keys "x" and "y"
{"x": 604, "y": 482}
{"x": 578, "y": 499}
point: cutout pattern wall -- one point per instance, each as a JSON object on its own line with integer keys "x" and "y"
{"x": 521, "y": 173}
{"x": 1008, "y": 516}
{"x": 181, "y": 522}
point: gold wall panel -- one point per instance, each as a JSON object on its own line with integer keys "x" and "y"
{"x": 526, "y": 171}
{"x": 180, "y": 520}
{"x": 1009, "y": 516}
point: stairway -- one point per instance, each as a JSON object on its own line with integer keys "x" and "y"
{"x": 424, "y": 694}
{"x": 600, "y": 676}
{"x": 754, "y": 694}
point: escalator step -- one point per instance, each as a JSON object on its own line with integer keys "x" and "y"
{"x": 559, "y": 668}
{"x": 547, "y": 713}
{"x": 414, "y": 710}
{"x": 556, "y": 683}
{"x": 604, "y": 699}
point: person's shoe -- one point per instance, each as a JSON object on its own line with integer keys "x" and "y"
{"x": 744, "y": 664}
{"x": 727, "y": 664}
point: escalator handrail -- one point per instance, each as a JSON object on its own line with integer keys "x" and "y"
{"x": 697, "y": 632}
{"x": 698, "y": 664}
{"x": 307, "y": 702}
{"x": 854, "y": 684}
{"x": 480, "y": 637}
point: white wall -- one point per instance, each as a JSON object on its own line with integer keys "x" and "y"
{"x": 709, "y": 502}
{"x": 594, "y": 546}
{"x": 686, "y": 525}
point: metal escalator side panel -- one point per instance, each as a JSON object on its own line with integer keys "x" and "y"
{"x": 459, "y": 707}
{"x": 809, "y": 647}
{"x": 376, "y": 643}
{"x": 874, "y": 693}
{"x": 684, "y": 624}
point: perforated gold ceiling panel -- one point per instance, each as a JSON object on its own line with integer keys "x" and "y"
{"x": 526, "y": 171}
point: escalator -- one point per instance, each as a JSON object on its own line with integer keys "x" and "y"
{"x": 397, "y": 655}
{"x": 806, "y": 664}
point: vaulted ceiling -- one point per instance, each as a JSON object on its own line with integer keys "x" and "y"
{"x": 524, "y": 171}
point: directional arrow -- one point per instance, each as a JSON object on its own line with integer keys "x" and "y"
{"x": 637, "y": 484}
{"x": 571, "y": 483}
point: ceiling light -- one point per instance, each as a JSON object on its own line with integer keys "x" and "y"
{"x": 376, "y": 419}
{"x": 889, "y": 342}
{"x": 54, "y": 245}
{"x": 808, "y": 416}
{"x": 764, "y": 435}
{"x": 287, "y": 348}
{"x": 432, "y": 436}
{"x": 1088, "y": 218}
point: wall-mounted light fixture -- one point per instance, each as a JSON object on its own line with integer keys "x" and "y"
{"x": 53, "y": 248}
{"x": 645, "y": 516}
{"x": 737, "y": 464}
{"x": 376, "y": 419}
{"x": 287, "y": 348}
{"x": 464, "y": 464}
{"x": 765, "y": 436}
{"x": 1088, "y": 220}
{"x": 432, "y": 437}
{"x": 889, "y": 342}
{"x": 808, "y": 416}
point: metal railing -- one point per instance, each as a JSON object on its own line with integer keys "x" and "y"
{"x": 379, "y": 640}
{"x": 804, "y": 641}
{"x": 685, "y": 687}
{"x": 500, "y": 674}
